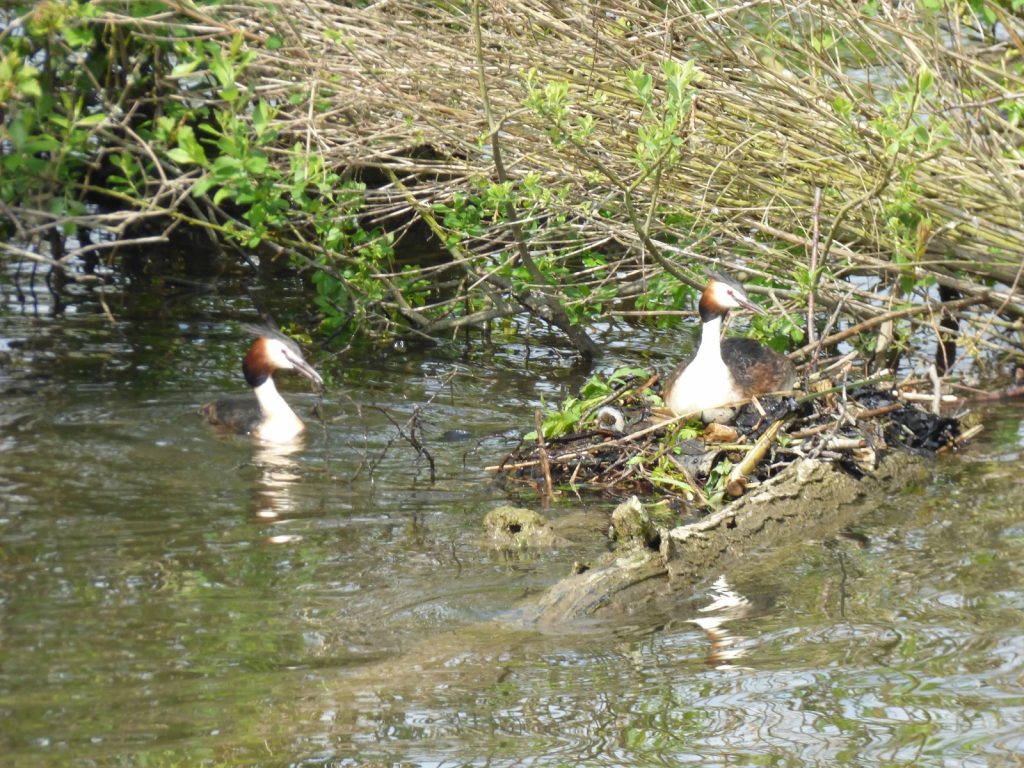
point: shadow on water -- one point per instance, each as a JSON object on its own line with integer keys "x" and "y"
{"x": 169, "y": 595}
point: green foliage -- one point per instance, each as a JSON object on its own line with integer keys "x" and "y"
{"x": 566, "y": 126}
{"x": 50, "y": 124}
{"x": 909, "y": 135}
{"x": 212, "y": 127}
{"x": 779, "y": 332}
{"x": 714, "y": 488}
{"x": 907, "y": 138}
{"x": 91, "y": 108}
{"x": 664, "y": 112}
{"x": 463, "y": 217}
{"x": 666, "y": 474}
{"x": 984, "y": 10}
{"x": 219, "y": 131}
{"x": 665, "y": 105}
{"x": 229, "y": 145}
{"x": 17, "y": 80}
{"x": 346, "y": 277}
{"x": 664, "y": 291}
{"x": 577, "y": 412}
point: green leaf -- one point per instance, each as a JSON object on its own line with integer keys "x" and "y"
{"x": 663, "y": 479}
{"x": 18, "y": 130}
{"x": 222, "y": 71}
{"x": 256, "y": 164}
{"x": 179, "y": 156}
{"x": 79, "y": 36}
{"x": 185, "y": 68}
{"x": 94, "y": 119}
{"x": 188, "y": 142}
{"x": 41, "y": 143}
{"x": 640, "y": 83}
{"x": 203, "y": 186}
{"x": 924, "y": 79}
{"x": 226, "y": 167}
{"x": 28, "y": 82}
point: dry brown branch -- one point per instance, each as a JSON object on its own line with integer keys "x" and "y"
{"x": 542, "y": 450}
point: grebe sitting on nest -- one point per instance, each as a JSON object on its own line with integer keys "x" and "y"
{"x": 268, "y": 417}
{"x": 724, "y": 372}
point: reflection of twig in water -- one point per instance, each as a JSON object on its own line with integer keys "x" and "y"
{"x": 413, "y": 425}
{"x": 413, "y": 440}
{"x": 835, "y": 548}
{"x": 842, "y": 584}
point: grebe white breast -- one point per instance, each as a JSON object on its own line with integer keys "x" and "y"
{"x": 267, "y": 417}
{"x": 725, "y": 372}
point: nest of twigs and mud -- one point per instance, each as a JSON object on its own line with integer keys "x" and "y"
{"x": 651, "y": 453}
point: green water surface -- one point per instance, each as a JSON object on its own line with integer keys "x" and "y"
{"x": 170, "y": 597}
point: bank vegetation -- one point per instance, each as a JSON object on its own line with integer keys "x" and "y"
{"x": 439, "y": 168}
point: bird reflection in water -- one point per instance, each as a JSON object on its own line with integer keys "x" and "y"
{"x": 273, "y": 497}
{"x": 726, "y": 605}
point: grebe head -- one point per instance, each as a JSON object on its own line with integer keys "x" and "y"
{"x": 721, "y": 294}
{"x": 268, "y": 354}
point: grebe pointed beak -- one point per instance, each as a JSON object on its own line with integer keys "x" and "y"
{"x": 301, "y": 366}
{"x": 746, "y": 303}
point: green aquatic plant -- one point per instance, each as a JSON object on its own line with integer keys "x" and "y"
{"x": 578, "y": 412}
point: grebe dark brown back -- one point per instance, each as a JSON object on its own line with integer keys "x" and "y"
{"x": 268, "y": 417}
{"x": 725, "y": 372}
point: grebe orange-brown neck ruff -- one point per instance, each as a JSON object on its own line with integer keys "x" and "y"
{"x": 724, "y": 372}
{"x": 268, "y": 417}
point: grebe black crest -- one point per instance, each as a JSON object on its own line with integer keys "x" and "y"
{"x": 725, "y": 372}
{"x": 267, "y": 417}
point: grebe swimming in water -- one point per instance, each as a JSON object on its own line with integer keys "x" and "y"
{"x": 724, "y": 372}
{"x": 268, "y": 417}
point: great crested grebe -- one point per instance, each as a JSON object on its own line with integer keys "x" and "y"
{"x": 268, "y": 417}
{"x": 724, "y": 372}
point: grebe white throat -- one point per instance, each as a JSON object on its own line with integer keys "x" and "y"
{"x": 706, "y": 382}
{"x": 280, "y": 423}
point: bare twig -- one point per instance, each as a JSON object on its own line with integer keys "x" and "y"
{"x": 542, "y": 450}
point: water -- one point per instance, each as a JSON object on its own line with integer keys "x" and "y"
{"x": 168, "y": 597}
